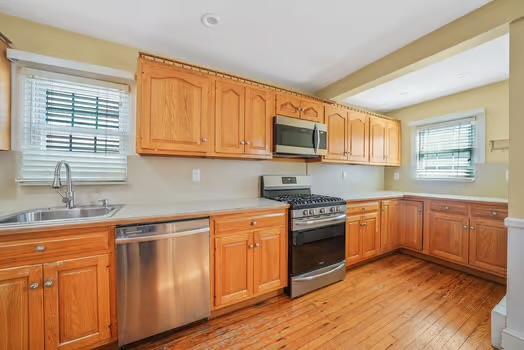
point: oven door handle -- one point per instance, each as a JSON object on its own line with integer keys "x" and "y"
{"x": 319, "y": 221}
{"x": 310, "y": 278}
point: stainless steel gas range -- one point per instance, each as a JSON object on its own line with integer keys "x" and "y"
{"x": 317, "y": 233}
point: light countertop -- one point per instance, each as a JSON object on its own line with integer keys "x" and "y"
{"x": 140, "y": 213}
{"x": 392, "y": 195}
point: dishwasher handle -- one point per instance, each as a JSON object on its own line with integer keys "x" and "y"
{"x": 126, "y": 240}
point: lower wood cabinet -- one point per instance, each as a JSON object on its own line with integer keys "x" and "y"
{"x": 488, "y": 245}
{"x": 390, "y": 225}
{"x": 449, "y": 236}
{"x": 411, "y": 214}
{"x": 55, "y": 301}
{"x": 362, "y": 234}
{"x": 249, "y": 261}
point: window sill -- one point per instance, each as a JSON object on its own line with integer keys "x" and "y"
{"x": 444, "y": 180}
{"x": 75, "y": 183}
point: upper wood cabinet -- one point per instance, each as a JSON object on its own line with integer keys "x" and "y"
{"x": 174, "y": 110}
{"x": 5, "y": 97}
{"x": 258, "y": 124}
{"x": 76, "y": 302}
{"x": 384, "y": 141}
{"x": 411, "y": 224}
{"x": 250, "y": 256}
{"x": 230, "y": 99}
{"x": 21, "y": 307}
{"x": 243, "y": 119}
{"x": 337, "y": 123}
{"x": 298, "y": 107}
{"x": 358, "y": 137}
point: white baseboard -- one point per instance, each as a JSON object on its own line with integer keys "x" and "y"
{"x": 498, "y": 323}
{"x": 512, "y": 340}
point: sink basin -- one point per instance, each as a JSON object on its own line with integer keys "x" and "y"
{"x": 59, "y": 214}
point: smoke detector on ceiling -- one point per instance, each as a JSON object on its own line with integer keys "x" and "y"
{"x": 210, "y": 20}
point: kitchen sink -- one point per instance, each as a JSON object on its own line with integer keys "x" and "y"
{"x": 59, "y": 214}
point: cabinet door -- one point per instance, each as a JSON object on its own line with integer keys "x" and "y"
{"x": 377, "y": 139}
{"x": 390, "y": 225}
{"x": 312, "y": 110}
{"x": 288, "y": 105}
{"x": 21, "y": 308}
{"x": 174, "y": 110}
{"x": 488, "y": 245}
{"x": 260, "y": 109}
{"x": 358, "y": 137}
{"x": 370, "y": 235}
{"x": 353, "y": 240}
{"x": 336, "y": 119}
{"x": 270, "y": 260}
{"x": 233, "y": 268}
{"x": 411, "y": 224}
{"x": 449, "y": 236}
{"x": 76, "y": 302}
{"x": 393, "y": 143}
{"x": 229, "y": 117}
{"x": 5, "y": 99}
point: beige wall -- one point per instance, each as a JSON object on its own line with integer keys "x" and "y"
{"x": 152, "y": 179}
{"x": 491, "y": 176}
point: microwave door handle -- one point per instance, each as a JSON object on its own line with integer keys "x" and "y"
{"x": 316, "y": 138}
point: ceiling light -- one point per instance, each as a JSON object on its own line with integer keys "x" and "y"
{"x": 210, "y": 20}
{"x": 403, "y": 93}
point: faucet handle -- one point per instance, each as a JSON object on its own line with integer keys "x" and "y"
{"x": 104, "y": 202}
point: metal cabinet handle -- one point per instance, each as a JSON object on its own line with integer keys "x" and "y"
{"x": 493, "y": 213}
{"x": 40, "y": 248}
{"x": 472, "y": 228}
{"x": 465, "y": 227}
{"x": 34, "y": 285}
{"x": 250, "y": 246}
{"x": 242, "y": 142}
{"x": 204, "y": 140}
{"x": 49, "y": 283}
{"x": 446, "y": 208}
{"x": 257, "y": 245}
{"x": 253, "y": 223}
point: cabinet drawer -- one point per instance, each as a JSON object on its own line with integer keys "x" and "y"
{"x": 489, "y": 212}
{"x": 250, "y": 221}
{"x": 449, "y": 207}
{"x": 363, "y": 208}
{"x": 39, "y": 249}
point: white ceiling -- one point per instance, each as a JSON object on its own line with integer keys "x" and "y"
{"x": 302, "y": 44}
{"x": 485, "y": 64}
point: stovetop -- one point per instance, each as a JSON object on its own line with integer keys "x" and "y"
{"x": 301, "y": 201}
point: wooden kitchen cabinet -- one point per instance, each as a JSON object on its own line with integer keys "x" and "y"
{"x": 411, "y": 224}
{"x": 337, "y": 123}
{"x": 449, "y": 236}
{"x": 298, "y": 107}
{"x": 384, "y": 141}
{"x": 230, "y": 99}
{"x": 358, "y": 137}
{"x": 393, "y": 138}
{"x": 21, "y": 308}
{"x": 370, "y": 235}
{"x": 174, "y": 110}
{"x": 260, "y": 109}
{"x": 76, "y": 302}
{"x": 390, "y": 225}
{"x": 55, "y": 295}
{"x": 353, "y": 240}
{"x": 488, "y": 245}
{"x": 233, "y": 268}
{"x": 250, "y": 256}
{"x": 5, "y": 96}
{"x": 362, "y": 232}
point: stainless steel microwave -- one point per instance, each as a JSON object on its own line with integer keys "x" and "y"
{"x": 299, "y": 137}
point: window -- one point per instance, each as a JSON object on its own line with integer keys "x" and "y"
{"x": 448, "y": 150}
{"x": 81, "y": 121}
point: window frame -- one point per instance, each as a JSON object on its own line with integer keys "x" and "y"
{"x": 479, "y": 155}
{"x": 19, "y": 74}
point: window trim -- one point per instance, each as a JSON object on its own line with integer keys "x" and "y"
{"x": 20, "y": 70}
{"x": 480, "y": 141}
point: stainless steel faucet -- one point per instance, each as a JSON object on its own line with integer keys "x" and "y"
{"x": 69, "y": 196}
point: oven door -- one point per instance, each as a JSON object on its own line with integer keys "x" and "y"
{"x": 316, "y": 248}
{"x": 299, "y": 137}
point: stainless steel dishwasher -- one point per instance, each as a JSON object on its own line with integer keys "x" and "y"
{"x": 162, "y": 277}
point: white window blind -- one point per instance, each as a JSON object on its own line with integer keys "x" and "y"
{"x": 84, "y": 122}
{"x": 445, "y": 151}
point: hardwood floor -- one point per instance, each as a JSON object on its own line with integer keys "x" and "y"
{"x": 398, "y": 302}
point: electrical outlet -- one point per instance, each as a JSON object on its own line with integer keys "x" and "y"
{"x": 396, "y": 176}
{"x": 196, "y": 175}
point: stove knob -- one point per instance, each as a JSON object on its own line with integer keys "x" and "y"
{"x": 322, "y": 211}
{"x": 311, "y": 212}
{"x": 305, "y": 212}
{"x": 333, "y": 209}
